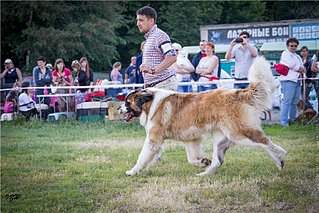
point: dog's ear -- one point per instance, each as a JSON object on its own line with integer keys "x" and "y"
{"x": 144, "y": 96}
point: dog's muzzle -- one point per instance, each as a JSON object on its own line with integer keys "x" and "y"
{"x": 128, "y": 112}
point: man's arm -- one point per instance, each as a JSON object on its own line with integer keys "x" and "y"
{"x": 229, "y": 54}
{"x": 168, "y": 61}
{"x": 19, "y": 73}
{"x": 3, "y": 73}
{"x": 252, "y": 50}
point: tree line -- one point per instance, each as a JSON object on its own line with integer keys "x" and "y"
{"x": 105, "y": 32}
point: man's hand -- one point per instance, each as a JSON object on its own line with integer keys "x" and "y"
{"x": 147, "y": 69}
{"x": 302, "y": 70}
{"x": 233, "y": 43}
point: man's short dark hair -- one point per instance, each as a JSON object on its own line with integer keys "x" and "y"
{"x": 244, "y": 33}
{"x": 304, "y": 48}
{"x": 292, "y": 40}
{"x": 147, "y": 11}
{"x": 41, "y": 58}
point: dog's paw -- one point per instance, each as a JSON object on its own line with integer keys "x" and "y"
{"x": 205, "y": 162}
{"x": 130, "y": 172}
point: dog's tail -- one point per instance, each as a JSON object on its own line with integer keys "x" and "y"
{"x": 262, "y": 84}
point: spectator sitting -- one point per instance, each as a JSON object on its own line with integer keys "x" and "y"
{"x": 196, "y": 58}
{"x": 42, "y": 77}
{"x": 208, "y": 67}
{"x": 183, "y": 68}
{"x": 117, "y": 78}
{"x": 26, "y": 103}
{"x": 62, "y": 76}
{"x": 11, "y": 102}
{"x": 81, "y": 79}
{"x": 244, "y": 54}
{"x": 85, "y": 66}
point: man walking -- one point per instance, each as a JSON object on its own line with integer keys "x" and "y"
{"x": 158, "y": 54}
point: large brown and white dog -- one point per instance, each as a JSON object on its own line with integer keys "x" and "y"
{"x": 231, "y": 116}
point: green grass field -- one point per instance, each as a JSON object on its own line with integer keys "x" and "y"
{"x": 80, "y": 167}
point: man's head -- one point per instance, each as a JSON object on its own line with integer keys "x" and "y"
{"x": 41, "y": 61}
{"x": 244, "y": 35}
{"x": 304, "y": 51}
{"x": 145, "y": 18}
{"x": 133, "y": 60}
{"x": 8, "y": 64}
{"x": 202, "y": 44}
{"x": 292, "y": 44}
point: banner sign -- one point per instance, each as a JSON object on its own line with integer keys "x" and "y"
{"x": 307, "y": 31}
{"x": 258, "y": 34}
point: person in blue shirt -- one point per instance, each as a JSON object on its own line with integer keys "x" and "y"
{"x": 138, "y": 74}
{"x": 42, "y": 77}
{"x": 130, "y": 72}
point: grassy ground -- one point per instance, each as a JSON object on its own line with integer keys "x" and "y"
{"x": 79, "y": 167}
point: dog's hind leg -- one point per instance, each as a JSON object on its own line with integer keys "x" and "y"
{"x": 195, "y": 155}
{"x": 220, "y": 146}
{"x": 150, "y": 149}
{"x": 254, "y": 137}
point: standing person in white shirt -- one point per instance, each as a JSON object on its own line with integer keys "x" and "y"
{"x": 290, "y": 86}
{"x": 244, "y": 53}
{"x": 26, "y": 103}
{"x": 207, "y": 67}
{"x": 183, "y": 68}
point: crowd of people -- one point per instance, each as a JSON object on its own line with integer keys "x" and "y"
{"x": 47, "y": 76}
{"x": 163, "y": 64}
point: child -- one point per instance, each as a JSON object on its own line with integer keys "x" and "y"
{"x": 10, "y": 102}
{"x": 26, "y": 103}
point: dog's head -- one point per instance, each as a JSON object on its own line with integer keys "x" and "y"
{"x": 134, "y": 101}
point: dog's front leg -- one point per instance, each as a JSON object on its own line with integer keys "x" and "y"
{"x": 150, "y": 149}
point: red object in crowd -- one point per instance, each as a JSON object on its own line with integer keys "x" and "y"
{"x": 89, "y": 96}
{"x": 281, "y": 69}
{"x": 213, "y": 78}
{"x": 121, "y": 97}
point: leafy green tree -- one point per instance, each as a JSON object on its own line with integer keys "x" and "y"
{"x": 181, "y": 20}
{"x": 284, "y": 10}
{"x": 242, "y": 11}
{"x": 69, "y": 30}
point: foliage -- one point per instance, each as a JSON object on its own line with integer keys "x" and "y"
{"x": 68, "y": 30}
{"x": 105, "y": 31}
{"x": 79, "y": 167}
{"x": 182, "y": 19}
